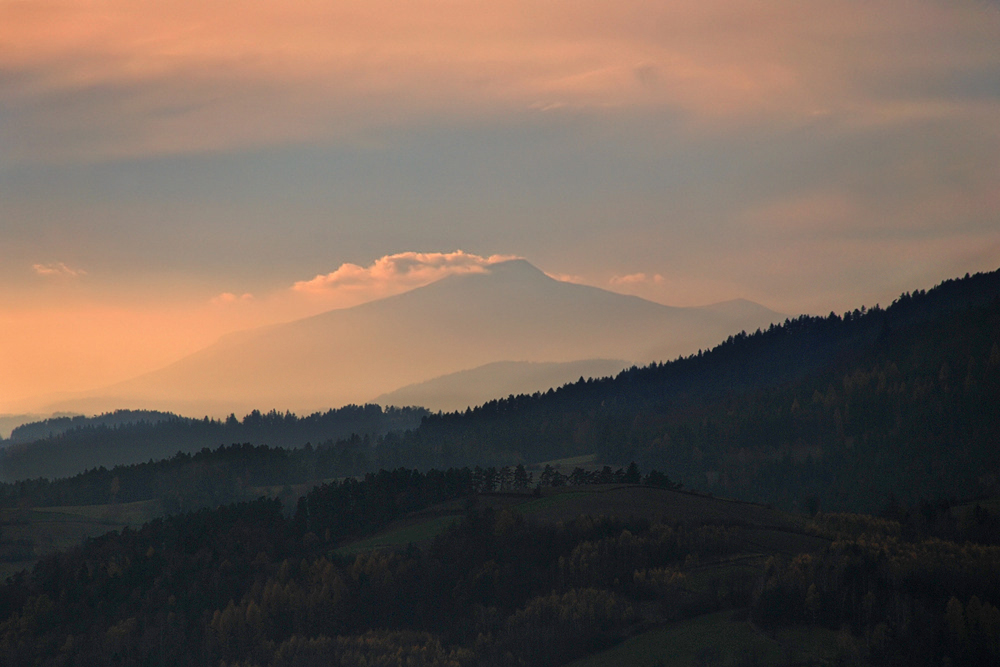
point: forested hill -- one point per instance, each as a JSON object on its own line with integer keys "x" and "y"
{"x": 53, "y": 426}
{"x": 504, "y": 582}
{"x": 110, "y": 440}
{"x": 839, "y": 411}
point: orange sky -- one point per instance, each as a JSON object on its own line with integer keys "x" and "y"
{"x": 171, "y": 170}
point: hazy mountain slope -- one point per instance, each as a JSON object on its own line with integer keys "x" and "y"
{"x": 475, "y": 386}
{"x": 347, "y": 356}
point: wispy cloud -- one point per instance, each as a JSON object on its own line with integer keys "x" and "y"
{"x": 57, "y": 270}
{"x": 636, "y": 279}
{"x": 227, "y": 298}
{"x": 398, "y": 272}
{"x": 110, "y": 78}
{"x": 567, "y": 277}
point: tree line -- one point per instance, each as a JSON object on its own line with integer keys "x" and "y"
{"x": 68, "y": 446}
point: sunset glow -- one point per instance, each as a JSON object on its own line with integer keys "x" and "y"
{"x": 171, "y": 171}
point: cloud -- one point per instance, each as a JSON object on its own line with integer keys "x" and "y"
{"x": 105, "y": 78}
{"x": 636, "y": 279}
{"x": 57, "y": 270}
{"x": 567, "y": 277}
{"x": 227, "y": 298}
{"x": 395, "y": 273}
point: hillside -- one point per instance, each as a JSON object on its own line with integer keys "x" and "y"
{"x": 495, "y": 579}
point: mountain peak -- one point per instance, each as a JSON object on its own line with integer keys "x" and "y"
{"x": 518, "y": 273}
{"x": 509, "y": 310}
{"x": 516, "y": 266}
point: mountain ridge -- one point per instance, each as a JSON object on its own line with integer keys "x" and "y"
{"x": 474, "y": 386}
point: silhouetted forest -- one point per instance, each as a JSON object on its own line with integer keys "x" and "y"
{"x": 125, "y": 437}
{"x": 247, "y": 585}
{"x": 48, "y": 428}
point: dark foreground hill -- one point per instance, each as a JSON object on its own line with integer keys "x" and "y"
{"x": 514, "y": 579}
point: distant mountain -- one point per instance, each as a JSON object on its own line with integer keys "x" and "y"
{"x": 457, "y": 391}
{"x": 513, "y": 311}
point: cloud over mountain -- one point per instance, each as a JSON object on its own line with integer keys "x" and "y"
{"x": 393, "y": 273}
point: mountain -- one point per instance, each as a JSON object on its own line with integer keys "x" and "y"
{"x": 457, "y": 391}
{"x": 511, "y": 312}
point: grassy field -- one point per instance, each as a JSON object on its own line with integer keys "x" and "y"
{"x": 722, "y": 638}
{"x": 566, "y": 466}
{"x": 760, "y": 529}
{"x": 130, "y": 514}
{"x": 712, "y": 639}
{"x": 49, "y": 529}
{"x": 417, "y": 533}
{"x": 624, "y": 500}
{"x": 546, "y": 502}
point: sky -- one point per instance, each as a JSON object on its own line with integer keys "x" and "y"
{"x": 171, "y": 170}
